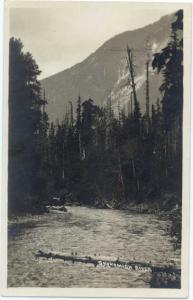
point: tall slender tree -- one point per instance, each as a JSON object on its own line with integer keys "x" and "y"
{"x": 170, "y": 62}
{"x": 25, "y": 103}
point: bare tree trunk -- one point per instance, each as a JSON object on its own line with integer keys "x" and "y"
{"x": 131, "y": 103}
{"x": 134, "y": 175}
{"x": 63, "y": 160}
{"x": 147, "y": 95}
{"x": 71, "y": 114}
{"x": 131, "y": 71}
{"x": 121, "y": 176}
{"x": 80, "y": 145}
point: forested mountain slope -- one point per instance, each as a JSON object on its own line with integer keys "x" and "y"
{"x": 104, "y": 71}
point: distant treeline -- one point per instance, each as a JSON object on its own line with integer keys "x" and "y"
{"x": 96, "y": 155}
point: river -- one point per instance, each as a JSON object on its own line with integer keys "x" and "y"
{"x": 86, "y": 231}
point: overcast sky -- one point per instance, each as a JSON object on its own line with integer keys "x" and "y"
{"x": 61, "y": 36}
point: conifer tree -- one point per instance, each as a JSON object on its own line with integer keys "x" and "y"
{"x": 170, "y": 62}
{"x": 25, "y": 103}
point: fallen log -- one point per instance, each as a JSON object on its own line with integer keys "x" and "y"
{"x": 56, "y": 209}
{"x": 105, "y": 262}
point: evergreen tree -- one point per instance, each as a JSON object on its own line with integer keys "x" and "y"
{"x": 170, "y": 62}
{"x": 24, "y": 120}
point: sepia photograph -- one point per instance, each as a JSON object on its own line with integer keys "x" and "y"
{"x": 97, "y": 155}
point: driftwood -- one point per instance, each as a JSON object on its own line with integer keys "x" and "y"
{"x": 56, "y": 209}
{"x": 105, "y": 262}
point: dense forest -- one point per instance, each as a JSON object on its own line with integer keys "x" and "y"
{"x": 96, "y": 155}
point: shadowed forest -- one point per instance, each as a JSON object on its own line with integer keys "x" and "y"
{"x": 97, "y": 156}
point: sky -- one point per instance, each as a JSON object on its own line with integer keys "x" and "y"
{"x": 62, "y": 35}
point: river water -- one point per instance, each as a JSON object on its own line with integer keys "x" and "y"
{"x": 87, "y": 231}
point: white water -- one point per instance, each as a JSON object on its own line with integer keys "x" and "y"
{"x": 87, "y": 231}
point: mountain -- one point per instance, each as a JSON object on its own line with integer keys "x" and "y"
{"x": 104, "y": 72}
